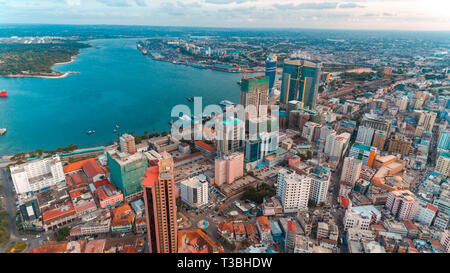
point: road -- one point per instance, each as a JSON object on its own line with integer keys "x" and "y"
{"x": 9, "y": 203}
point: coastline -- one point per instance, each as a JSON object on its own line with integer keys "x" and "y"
{"x": 58, "y": 75}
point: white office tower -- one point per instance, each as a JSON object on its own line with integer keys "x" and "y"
{"x": 194, "y": 191}
{"x": 293, "y": 190}
{"x": 336, "y": 145}
{"x": 402, "y": 103}
{"x": 365, "y": 135}
{"x": 37, "y": 174}
{"x": 351, "y": 170}
{"x": 319, "y": 187}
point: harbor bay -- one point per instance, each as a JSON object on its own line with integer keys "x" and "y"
{"x": 112, "y": 84}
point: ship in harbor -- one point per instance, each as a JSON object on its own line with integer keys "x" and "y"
{"x": 142, "y": 49}
{"x": 2, "y": 131}
{"x": 3, "y": 93}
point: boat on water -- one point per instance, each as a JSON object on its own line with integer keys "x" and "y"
{"x": 191, "y": 99}
{"x": 3, "y": 93}
{"x": 117, "y": 126}
{"x": 2, "y": 131}
{"x": 115, "y": 130}
{"x": 90, "y": 132}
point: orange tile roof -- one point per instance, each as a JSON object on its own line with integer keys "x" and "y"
{"x": 76, "y": 166}
{"x": 250, "y": 229}
{"x": 55, "y": 248}
{"x": 91, "y": 168}
{"x": 122, "y": 210}
{"x": 226, "y": 226}
{"x": 291, "y": 227}
{"x": 205, "y": 146}
{"x": 196, "y": 241}
{"x": 151, "y": 176}
{"x": 432, "y": 207}
{"x": 64, "y": 210}
{"x": 239, "y": 229}
{"x": 263, "y": 222}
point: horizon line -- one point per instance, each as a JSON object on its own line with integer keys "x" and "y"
{"x": 233, "y": 28}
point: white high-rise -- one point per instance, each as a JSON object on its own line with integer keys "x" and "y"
{"x": 336, "y": 145}
{"x": 351, "y": 170}
{"x": 293, "y": 190}
{"x": 37, "y": 174}
{"x": 194, "y": 191}
{"x": 365, "y": 135}
{"x": 319, "y": 187}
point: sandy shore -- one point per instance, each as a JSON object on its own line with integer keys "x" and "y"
{"x": 62, "y": 75}
{"x": 57, "y": 76}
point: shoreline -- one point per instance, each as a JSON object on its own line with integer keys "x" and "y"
{"x": 60, "y": 75}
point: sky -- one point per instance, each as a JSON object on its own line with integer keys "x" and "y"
{"x": 324, "y": 14}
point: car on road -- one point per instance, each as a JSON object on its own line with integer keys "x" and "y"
{"x": 24, "y": 239}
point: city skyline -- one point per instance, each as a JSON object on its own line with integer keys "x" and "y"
{"x": 327, "y": 14}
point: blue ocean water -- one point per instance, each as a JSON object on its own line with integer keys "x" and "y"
{"x": 116, "y": 85}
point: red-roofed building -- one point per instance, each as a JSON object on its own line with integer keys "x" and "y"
{"x": 425, "y": 214}
{"x": 202, "y": 146}
{"x": 93, "y": 170}
{"x": 77, "y": 181}
{"x": 413, "y": 231}
{"x": 58, "y": 217}
{"x": 239, "y": 231}
{"x": 98, "y": 184}
{"x": 226, "y": 230}
{"x": 263, "y": 225}
{"x": 123, "y": 219}
{"x": 76, "y": 165}
{"x": 109, "y": 196}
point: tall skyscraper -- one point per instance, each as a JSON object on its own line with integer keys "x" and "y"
{"x": 255, "y": 92}
{"x": 161, "y": 207}
{"x": 293, "y": 190}
{"x": 271, "y": 70}
{"x": 444, "y": 141}
{"x": 230, "y": 137}
{"x": 127, "y": 171}
{"x": 127, "y": 144}
{"x": 300, "y": 82}
{"x": 365, "y": 135}
{"x": 351, "y": 170}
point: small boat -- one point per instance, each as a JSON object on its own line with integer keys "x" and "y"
{"x": 191, "y": 99}
{"x": 117, "y": 126}
{"x": 90, "y": 132}
{"x": 2, "y": 131}
{"x": 115, "y": 130}
{"x": 239, "y": 82}
{"x": 3, "y": 94}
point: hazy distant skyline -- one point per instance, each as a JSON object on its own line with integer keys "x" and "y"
{"x": 328, "y": 14}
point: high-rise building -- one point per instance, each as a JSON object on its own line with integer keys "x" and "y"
{"x": 37, "y": 174}
{"x": 319, "y": 187}
{"x": 426, "y": 213}
{"x": 445, "y": 240}
{"x": 375, "y": 122}
{"x": 298, "y": 119}
{"x": 402, "y": 103}
{"x": 365, "y": 135}
{"x": 127, "y": 144}
{"x": 444, "y": 141}
{"x": 399, "y": 145}
{"x": 255, "y": 92}
{"x": 228, "y": 168}
{"x": 161, "y": 207}
{"x": 271, "y": 70}
{"x": 443, "y": 164}
{"x": 293, "y": 190}
{"x": 230, "y": 137}
{"x": 363, "y": 152}
{"x": 402, "y": 204}
{"x": 336, "y": 145}
{"x": 379, "y": 139}
{"x": 257, "y": 148}
{"x": 127, "y": 171}
{"x": 426, "y": 122}
{"x": 300, "y": 81}
{"x": 194, "y": 191}
{"x": 351, "y": 170}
